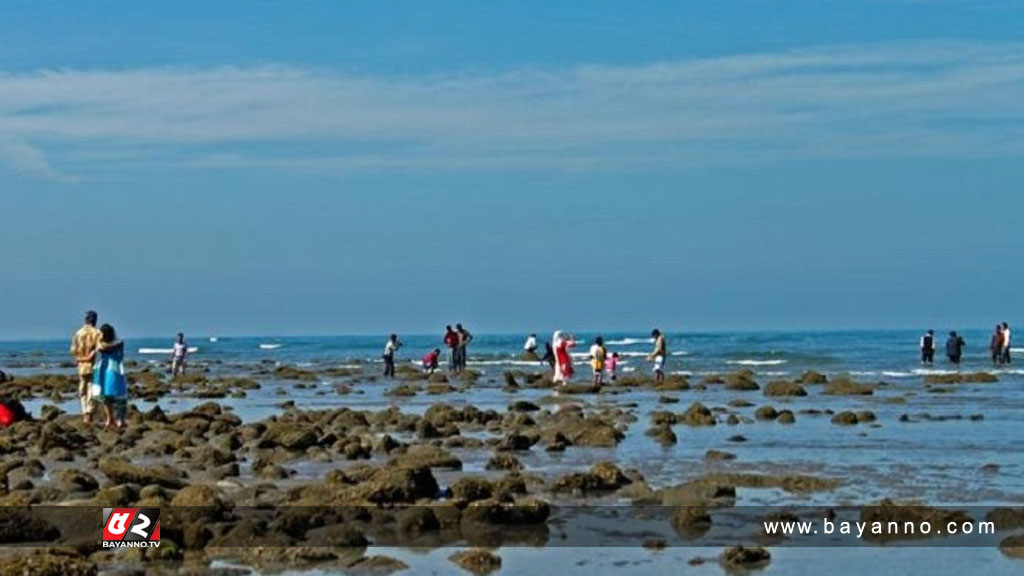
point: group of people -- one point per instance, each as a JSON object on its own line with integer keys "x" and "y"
{"x": 99, "y": 356}
{"x": 455, "y": 339}
{"x": 955, "y": 345}
{"x": 559, "y": 357}
{"x": 1000, "y": 344}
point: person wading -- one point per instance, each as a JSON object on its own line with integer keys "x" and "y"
{"x": 659, "y": 355}
{"x": 83, "y": 348}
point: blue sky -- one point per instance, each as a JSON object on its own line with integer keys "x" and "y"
{"x": 363, "y": 167}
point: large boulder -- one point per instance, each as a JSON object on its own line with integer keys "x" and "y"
{"x": 784, "y": 388}
{"x": 697, "y": 415}
{"x": 120, "y": 471}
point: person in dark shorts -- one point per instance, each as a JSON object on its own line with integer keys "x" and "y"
{"x": 430, "y": 361}
{"x": 995, "y": 345}
{"x": 549, "y": 355}
{"x": 955, "y": 348}
{"x": 462, "y": 355}
{"x": 390, "y": 349}
{"x": 928, "y": 348}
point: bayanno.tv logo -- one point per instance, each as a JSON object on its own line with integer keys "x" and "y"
{"x": 131, "y": 527}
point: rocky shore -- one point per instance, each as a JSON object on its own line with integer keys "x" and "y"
{"x": 321, "y": 488}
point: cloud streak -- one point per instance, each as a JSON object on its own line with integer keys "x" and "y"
{"x": 893, "y": 101}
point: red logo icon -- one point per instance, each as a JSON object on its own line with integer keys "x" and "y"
{"x": 131, "y": 527}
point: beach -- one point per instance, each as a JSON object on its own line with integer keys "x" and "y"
{"x": 287, "y": 454}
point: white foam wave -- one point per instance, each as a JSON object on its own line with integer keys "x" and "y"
{"x": 933, "y": 372}
{"x": 632, "y": 354}
{"x": 897, "y": 374}
{"x": 213, "y": 339}
{"x": 269, "y": 346}
{"x": 774, "y": 374}
{"x": 502, "y": 363}
{"x": 1008, "y": 371}
{"x": 191, "y": 350}
{"x": 629, "y": 342}
{"x": 1017, "y": 350}
{"x": 756, "y": 362}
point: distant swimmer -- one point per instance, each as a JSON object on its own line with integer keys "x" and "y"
{"x": 659, "y": 355}
{"x": 179, "y": 356}
{"x": 928, "y": 348}
{"x": 598, "y": 356}
{"x": 1006, "y": 343}
{"x": 563, "y": 358}
{"x": 955, "y": 348}
{"x": 83, "y": 348}
{"x": 531, "y": 344}
{"x": 390, "y": 349}
{"x": 995, "y": 345}
{"x": 451, "y": 341}
{"x": 431, "y": 360}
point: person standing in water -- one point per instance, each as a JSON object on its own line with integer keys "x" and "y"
{"x": 179, "y": 356}
{"x": 390, "y": 349}
{"x": 549, "y": 356}
{"x": 530, "y": 347}
{"x": 464, "y": 339}
{"x": 955, "y": 348}
{"x": 928, "y": 348}
{"x": 598, "y": 355}
{"x": 1006, "y": 343}
{"x": 83, "y": 348}
{"x": 563, "y": 358}
{"x": 451, "y": 341}
{"x": 109, "y": 383}
{"x": 995, "y": 345}
{"x": 612, "y": 365}
{"x": 659, "y": 355}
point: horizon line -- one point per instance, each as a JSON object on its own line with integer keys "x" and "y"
{"x": 643, "y": 333}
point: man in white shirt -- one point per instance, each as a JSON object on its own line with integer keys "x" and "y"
{"x": 1006, "y": 343}
{"x": 598, "y": 355}
{"x": 389, "y": 355}
{"x": 531, "y": 344}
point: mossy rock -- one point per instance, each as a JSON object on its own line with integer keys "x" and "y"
{"x": 784, "y": 388}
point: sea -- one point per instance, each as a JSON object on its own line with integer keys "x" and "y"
{"x": 956, "y": 446}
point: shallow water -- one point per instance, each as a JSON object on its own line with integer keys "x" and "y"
{"x": 936, "y": 462}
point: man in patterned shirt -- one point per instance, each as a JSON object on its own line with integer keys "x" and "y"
{"x": 83, "y": 348}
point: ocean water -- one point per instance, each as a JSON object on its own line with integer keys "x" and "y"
{"x": 891, "y": 354}
{"x": 938, "y": 458}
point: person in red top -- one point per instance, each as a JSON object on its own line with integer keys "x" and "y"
{"x": 11, "y": 411}
{"x": 451, "y": 340}
{"x": 430, "y": 361}
{"x": 563, "y": 359}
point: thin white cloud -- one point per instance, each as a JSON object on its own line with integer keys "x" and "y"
{"x": 930, "y": 99}
{"x": 25, "y": 159}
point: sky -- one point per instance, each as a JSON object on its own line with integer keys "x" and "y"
{"x": 320, "y": 167}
